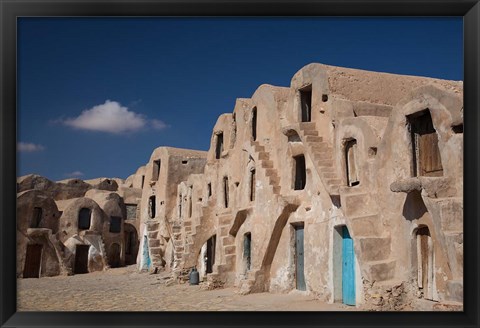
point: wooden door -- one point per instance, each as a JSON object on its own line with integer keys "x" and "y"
{"x": 299, "y": 258}
{"x": 81, "y": 259}
{"x": 33, "y": 260}
{"x": 348, "y": 269}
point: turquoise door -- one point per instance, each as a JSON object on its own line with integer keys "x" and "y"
{"x": 348, "y": 269}
{"x": 146, "y": 254}
{"x": 299, "y": 258}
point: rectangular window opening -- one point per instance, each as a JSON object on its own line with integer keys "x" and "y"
{"x": 115, "y": 224}
{"x": 252, "y": 185}
{"x": 37, "y": 217}
{"x": 306, "y": 103}
{"x": 156, "y": 170}
{"x": 219, "y": 146}
{"x": 300, "y": 172}
{"x": 225, "y": 191}
{"x": 425, "y": 151}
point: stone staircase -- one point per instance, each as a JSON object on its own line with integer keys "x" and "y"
{"x": 224, "y": 266}
{"x": 266, "y": 163}
{"x": 184, "y": 238}
{"x": 373, "y": 246}
{"x": 321, "y": 154}
{"x": 156, "y": 254}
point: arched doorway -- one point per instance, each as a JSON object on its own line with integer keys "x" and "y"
{"x": 114, "y": 255}
{"x": 131, "y": 244}
{"x": 81, "y": 259}
{"x": 343, "y": 266}
{"x": 425, "y": 262}
{"x": 33, "y": 260}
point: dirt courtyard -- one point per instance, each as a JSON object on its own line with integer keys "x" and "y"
{"x": 123, "y": 289}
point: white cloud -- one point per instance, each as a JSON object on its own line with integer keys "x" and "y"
{"x": 29, "y": 147}
{"x": 158, "y": 124}
{"x": 74, "y": 174}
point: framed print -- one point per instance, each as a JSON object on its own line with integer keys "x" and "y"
{"x": 222, "y": 163}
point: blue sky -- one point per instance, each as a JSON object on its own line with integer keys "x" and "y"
{"x": 97, "y": 95}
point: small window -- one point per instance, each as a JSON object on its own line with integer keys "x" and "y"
{"x": 300, "y": 172}
{"x": 457, "y": 128}
{"x": 254, "y": 123}
{"x": 252, "y": 185}
{"x": 143, "y": 181}
{"x": 151, "y": 207}
{"x": 156, "y": 170}
{"x": 306, "y": 103}
{"x": 324, "y": 98}
{"x": 225, "y": 191}
{"x": 209, "y": 190}
{"x": 84, "y": 218}
{"x": 115, "y": 224}
{"x": 247, "y": 253}
{"x": 180, "y": 200}
{"x": 184, "y": 162}
{"x": 219, "y": 146}
{"x": 37, "y": 217}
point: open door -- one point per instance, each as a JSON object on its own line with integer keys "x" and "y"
{"x": 81, "y": 259}
{"x": 33, "y": 260}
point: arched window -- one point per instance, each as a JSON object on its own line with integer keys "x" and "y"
{"x": 351, "y": 158}
{"x": 84, "y": 218}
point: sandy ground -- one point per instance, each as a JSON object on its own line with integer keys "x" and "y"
{"x": 123, "y": 289}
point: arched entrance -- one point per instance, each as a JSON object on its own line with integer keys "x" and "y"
{"x": 343, "y": 266}
{"x": 114, "y": 256}
{"x": 425, "y": 262}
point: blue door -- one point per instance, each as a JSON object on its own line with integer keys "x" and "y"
{"x": 299, "y": 258}
{"x": 146, "y": 254}
{"x": 348, "y": 269}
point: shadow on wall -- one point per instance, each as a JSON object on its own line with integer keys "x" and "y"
{"x": 414, "y": 207}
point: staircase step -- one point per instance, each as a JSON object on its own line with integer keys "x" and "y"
{"x": 267, "y": 164}
{"x": 307, "y": 133}
{"x": 313, "y": 139}
{"x": 334, "y": 182}
{"x": 230, "y": 249}
{"x": 366, "y": 226}
{"x": 228, "y": 240}
{"x": 224, "y": 230}
{"x": 224, "y": 220}
{"x": 358, "y": 204}
{"x": 329, "y": 175}
{"x": 374, "y": 248}
{"x": 380, "y": 270}
{"x": 325, "y": 163}
{"x": 307, "y": 126}
{"x": 263, "y": 156}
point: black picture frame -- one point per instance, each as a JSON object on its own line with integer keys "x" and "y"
{"x": 10, "y": 10}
